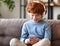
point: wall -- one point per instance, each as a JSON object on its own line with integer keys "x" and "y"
{"x": 56, "y": 11}
{"x": 16, "y": 12}
{"x": 7, "y": 14}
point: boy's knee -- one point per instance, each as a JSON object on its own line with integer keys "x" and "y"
{"x": 46, "y": 40}
{"x": 13, "y": 42}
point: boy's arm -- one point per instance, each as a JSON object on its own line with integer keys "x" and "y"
{"x": 47, "y": 33}
{"x": 24, "y": 33}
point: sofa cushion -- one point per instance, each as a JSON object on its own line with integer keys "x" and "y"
{"x": 6, "y": 40}
{"x": 1, "y": 40}
{"x": 56, "y": 43}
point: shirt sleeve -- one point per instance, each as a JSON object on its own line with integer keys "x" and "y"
{"x": 47, "y": 33}
{"x": 24, "y": 33}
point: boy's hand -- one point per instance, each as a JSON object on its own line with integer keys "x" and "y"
{"x": 27, "y": 41}
{"x": 34, "y": 40}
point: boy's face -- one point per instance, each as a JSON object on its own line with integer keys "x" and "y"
{"x": 36, "y": 17}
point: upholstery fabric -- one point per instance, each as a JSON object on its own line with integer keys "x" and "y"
{"x": 55, "y": 29}
{"x": 55, "y": 32}
{"x": 11, "y": 28}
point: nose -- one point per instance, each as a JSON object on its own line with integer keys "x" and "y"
{"x": 34, "y": 16}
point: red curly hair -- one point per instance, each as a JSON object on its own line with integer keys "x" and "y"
{"x": 35, "y": 7}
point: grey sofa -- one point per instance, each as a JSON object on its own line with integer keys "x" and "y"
{"x": 11, "y": 28}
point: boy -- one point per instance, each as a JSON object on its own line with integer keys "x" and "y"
{"x": 36, "y": 31}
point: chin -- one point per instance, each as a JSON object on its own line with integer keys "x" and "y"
{"x": 36, "y": 20}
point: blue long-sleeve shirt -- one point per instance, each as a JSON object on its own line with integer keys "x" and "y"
{"x": 39, "y": 29}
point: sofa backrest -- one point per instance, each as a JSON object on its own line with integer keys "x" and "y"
{"x": 10, "y": 28}
{"x": 55, "y": 32}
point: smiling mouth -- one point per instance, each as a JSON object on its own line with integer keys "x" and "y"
{"x": 35, "y": 19}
